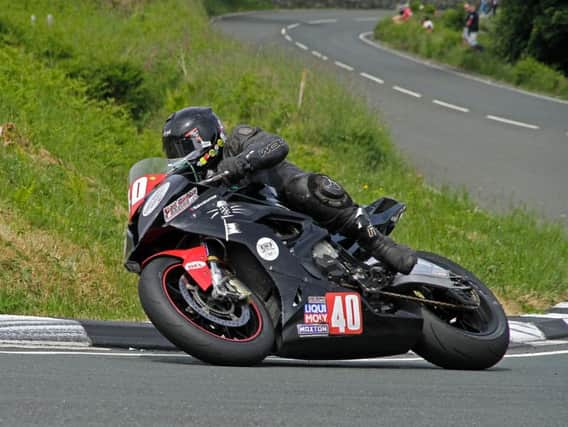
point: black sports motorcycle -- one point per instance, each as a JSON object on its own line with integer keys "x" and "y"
{"x": 230, "y": 275}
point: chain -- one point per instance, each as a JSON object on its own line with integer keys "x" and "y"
{"x": 433, "y": 302}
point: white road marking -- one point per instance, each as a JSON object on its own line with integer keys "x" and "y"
{"x": 372, "y": 78}
{"x": 292, "y": 26}
{"x": 366, "y": 19}
{"x": 512, "y": 122}
{"x": 287, "y": 37}
{"x": 548, "y": 316}
{"x": 325, "y": 58}
{"x": 351, "y": 361}
{"x": 407, "y": 92}
{"x": 316, "y": 54}
{"x": 301, "y": 46}
{"x": 562, "y": 304}
{"x": 283, "y": 31}
{"x": 344, "y": 66}
{"x": 322, "y": 21}
{"x": 450, "y": 106}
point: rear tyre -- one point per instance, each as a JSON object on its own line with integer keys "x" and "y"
{"x": 463, "y": 340}
{"x": 202, "y": 334}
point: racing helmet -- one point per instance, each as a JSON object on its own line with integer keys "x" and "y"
{"x": 194, "y": 131}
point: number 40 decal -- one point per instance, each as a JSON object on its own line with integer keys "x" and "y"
{"x": 344, "y": 313}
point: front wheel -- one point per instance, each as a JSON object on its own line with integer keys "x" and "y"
{"x": 475, "y": 339}
{"x": 218, "y": 332}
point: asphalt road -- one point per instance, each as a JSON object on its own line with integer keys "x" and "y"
{"x": 120, "y": 388}
{"x": 508, "y": 148}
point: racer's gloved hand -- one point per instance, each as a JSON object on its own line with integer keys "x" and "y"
{"x": 236, "y": 167}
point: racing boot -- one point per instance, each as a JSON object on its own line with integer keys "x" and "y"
{"x": 400, "y": 258}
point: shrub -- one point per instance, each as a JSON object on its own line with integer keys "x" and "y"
{"x": 120, "y": 81}
{"x": 453, "y": 19}
{"x": 531, "y": 73}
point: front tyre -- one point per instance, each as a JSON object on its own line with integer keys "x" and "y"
{"x": 463, "y": 340}
{"x": 231, "y": 334}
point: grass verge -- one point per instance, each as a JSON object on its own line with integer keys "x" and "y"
{"x": 445, "y": 45}
{"x": 65, "y": 156}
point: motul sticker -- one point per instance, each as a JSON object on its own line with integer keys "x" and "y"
{"x": 267, "y": 249}
{"x": 345, "y": 316}
{"x": 194, "y": 265}
{"x": 180, "y": 205}
{"x": 154, "y": 200}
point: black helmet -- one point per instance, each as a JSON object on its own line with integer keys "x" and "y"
{"x": 195, "y": 130}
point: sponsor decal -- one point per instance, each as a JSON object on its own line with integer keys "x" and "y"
{"x": 203, "y": 203}
{"x": 267, "y": 249}
{"x": 180, "y": 205}
{"x": 312, "y": 330}
{"x": 345, "y": 314}
{"x": 315, "y": 310}
{"x": 195, "y": 265}
{"x": 155, "y": 199}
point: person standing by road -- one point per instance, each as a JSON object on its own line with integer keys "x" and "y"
{"x": 471, "y": 28}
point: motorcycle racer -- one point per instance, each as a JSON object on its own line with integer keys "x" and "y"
{"x": 252, "y": 155}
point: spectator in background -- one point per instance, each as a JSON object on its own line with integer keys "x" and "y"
{"x": 485, "y": 7}
{"x": 404, "y": 14}
{"x": 494, "y": 4}
{"x": 427, "y": 24}
{"x": 471, "y": 28}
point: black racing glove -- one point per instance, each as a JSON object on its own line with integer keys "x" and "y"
{"x": 236, "y": 167}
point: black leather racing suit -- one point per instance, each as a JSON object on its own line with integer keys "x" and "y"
{"x": 314, "y": 194}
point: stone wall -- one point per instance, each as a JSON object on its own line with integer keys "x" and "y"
{"x": 356, "y": 4}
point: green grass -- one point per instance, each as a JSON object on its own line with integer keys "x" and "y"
{"x": 64, "y": 163}
{"x": 445, "y": 45}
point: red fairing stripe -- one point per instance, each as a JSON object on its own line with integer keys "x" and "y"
{"x": 139, "y": 189}
{"x": 194, "y": 261}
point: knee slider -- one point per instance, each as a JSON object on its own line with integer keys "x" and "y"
{"x": 329, "y": 192}
{"x": 319, "y": 196}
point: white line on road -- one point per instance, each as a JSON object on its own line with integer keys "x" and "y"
{"x": 325, "y": 58}
{"x": 287, "y": 37}
{"x": 322, "y": 21}
{"x": 316, "y": 54}
{"x": 407, "y": 92}
{"x": 344, "y": 66}
{"x": 373, "y": 78}
{"x": 301, "y": 46}
{"x": 366, "y": 19}
{"x": 512, "y": 122}
{"x": 351, "y": 361}
{"x": 548, "y": 316}
{"x": 283, "y": 31}
{"x": 450, "y": 106}
{"x": 292, "y": 26}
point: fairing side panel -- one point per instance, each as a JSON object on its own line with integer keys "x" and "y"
{"x": 383, "y": 335}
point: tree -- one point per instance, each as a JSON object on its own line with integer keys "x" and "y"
{"x": 538, "y": 28}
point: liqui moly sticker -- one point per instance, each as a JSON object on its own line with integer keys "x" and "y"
{"x": 155, "y": 198}
{"x": 312, "y": 330}
{"x": 180, "y": 205}
{"x": 315, "y": 310}
{"x": 267, "y": 249}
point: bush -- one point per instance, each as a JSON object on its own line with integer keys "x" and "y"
{"x": 120, "y": 81}
{"x": 531, "y": 73}
{"x": 453, "y": 19}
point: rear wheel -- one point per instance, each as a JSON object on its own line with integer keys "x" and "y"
{"x": 463, "y": 339}
{"x": 219, "y": 332}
